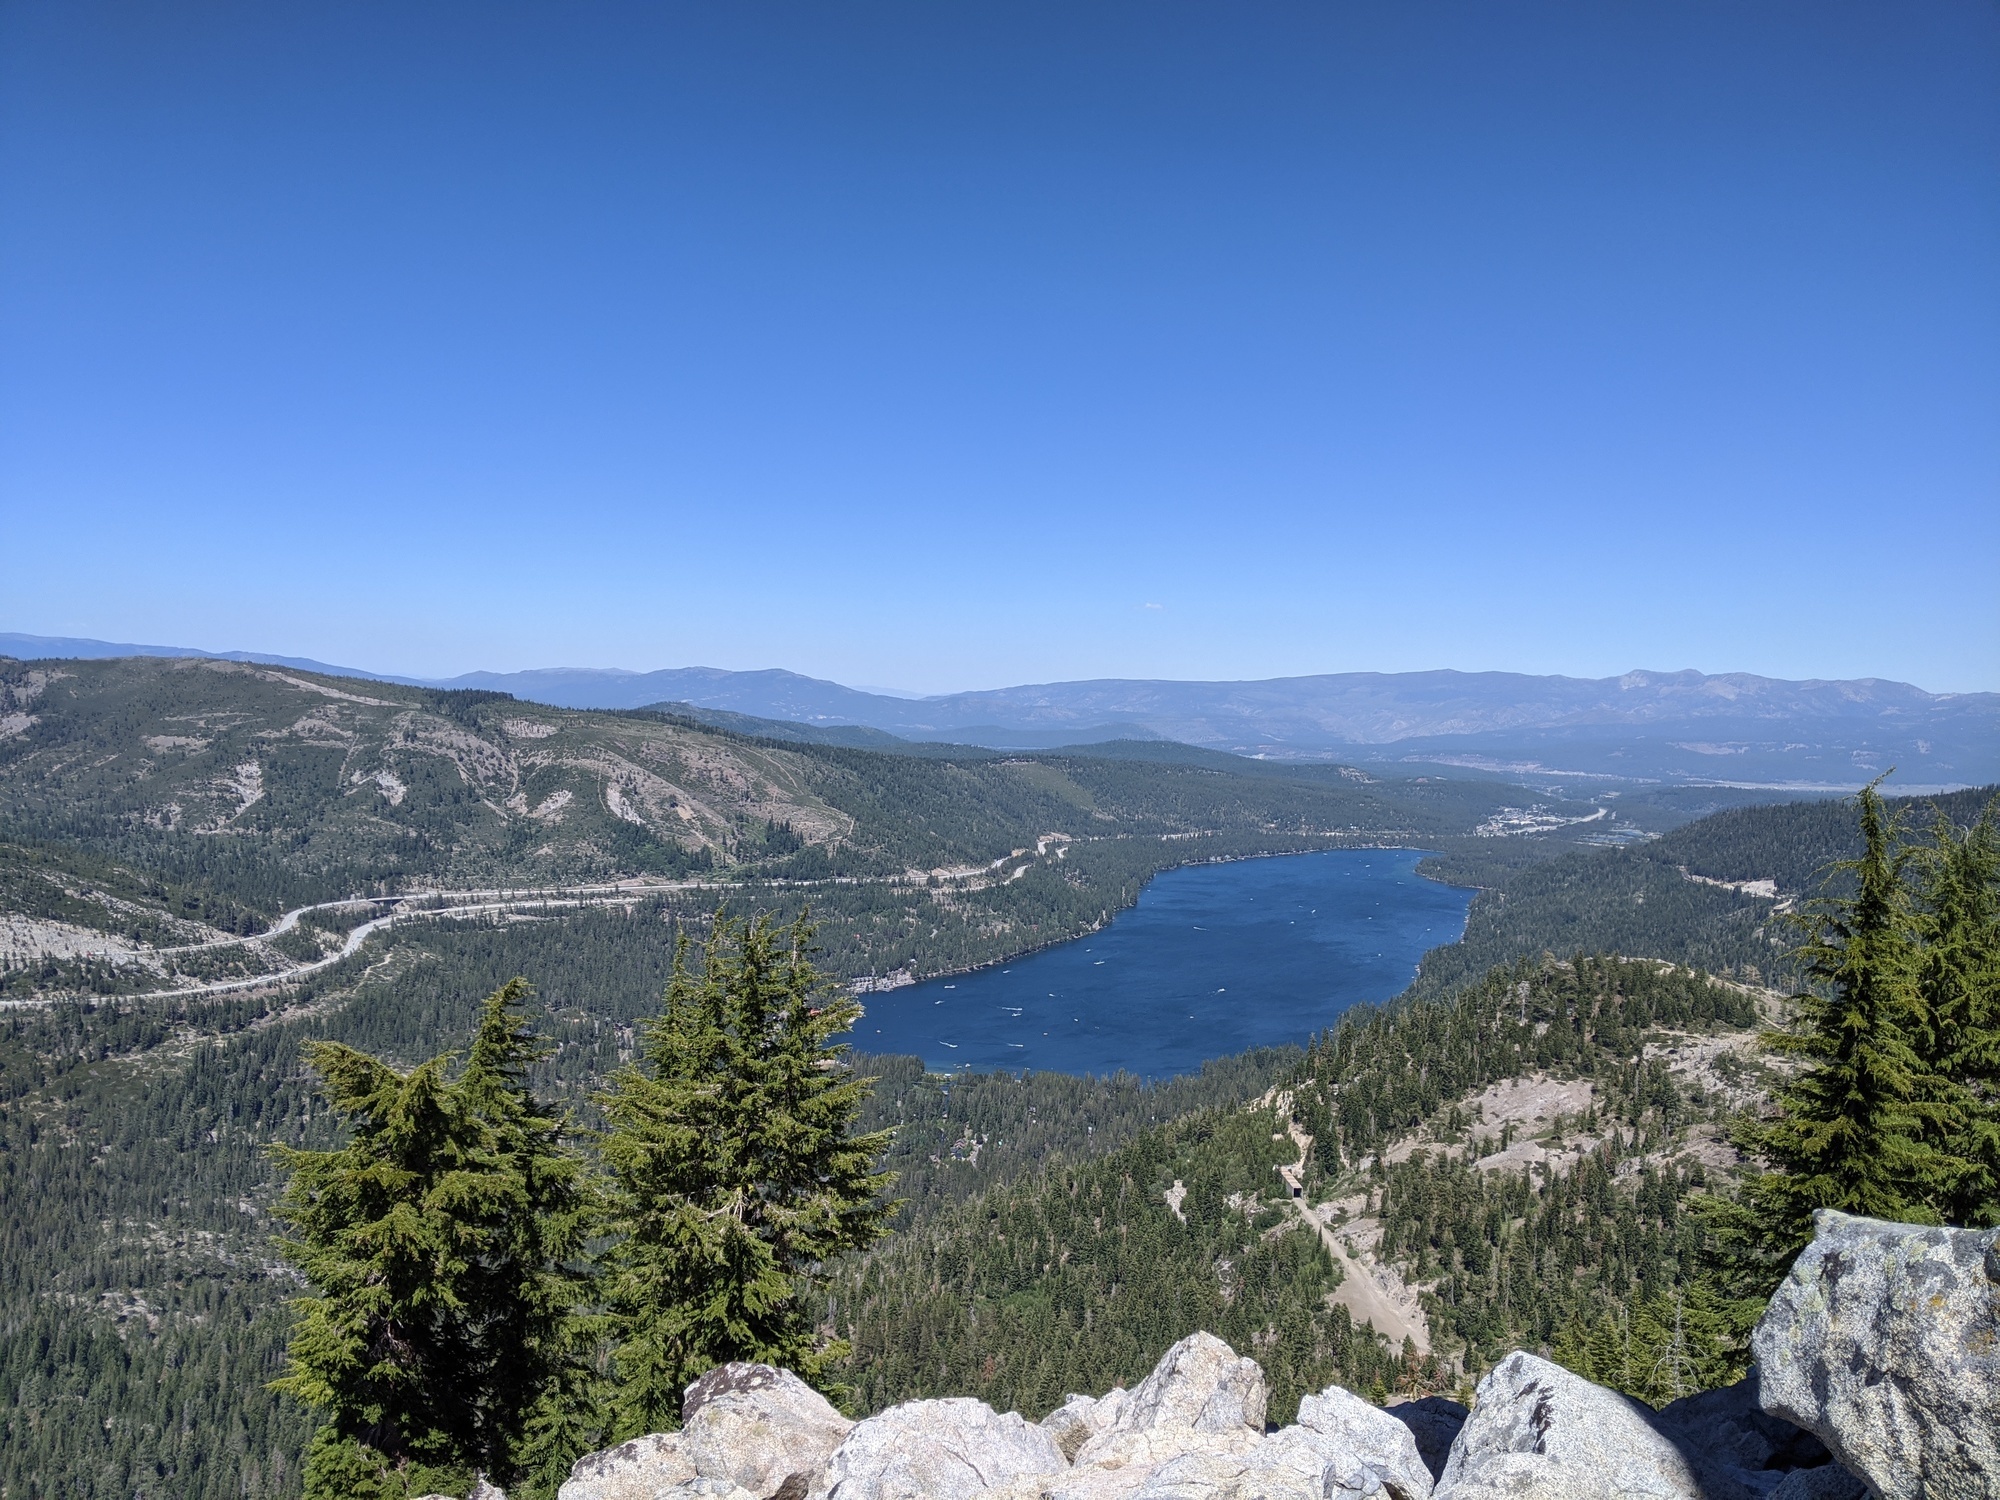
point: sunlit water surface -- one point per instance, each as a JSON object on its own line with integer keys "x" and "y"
{"x": 1214, "y": 959}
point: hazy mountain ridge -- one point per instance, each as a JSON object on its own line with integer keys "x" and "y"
{"x": 1727, "y": 727}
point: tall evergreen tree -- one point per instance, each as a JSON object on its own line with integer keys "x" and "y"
{"x": 1958, "y": 989}
{"x": 736, "y": 1171}
{"x": 438, "y": 1242}
{"x": 1858, "y": 1125}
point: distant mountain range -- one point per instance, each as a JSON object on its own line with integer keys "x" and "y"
{"x": 1732, "y": 728}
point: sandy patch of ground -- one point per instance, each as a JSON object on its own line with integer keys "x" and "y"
{"x": 1767, "y": 889}
{"x": 614, "y": 798}
{"x": 320, "y": 726}
{"x": 479, "y": 762}
{"x": 550, "y": 808}
{"x": 1534, "y": 1100}
{"x": 1372, "y": 1292}
{"x": 325, "y": 691}
{"x": 1706, "y": 1061}
{"x": 244, "y": 786}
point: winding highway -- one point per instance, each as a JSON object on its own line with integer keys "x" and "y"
{"x": 440, "y": 905}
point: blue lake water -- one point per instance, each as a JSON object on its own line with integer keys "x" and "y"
{"x": 1214, "y": 959}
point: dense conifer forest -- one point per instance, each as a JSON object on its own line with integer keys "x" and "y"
{"x": 1679, "y": 894}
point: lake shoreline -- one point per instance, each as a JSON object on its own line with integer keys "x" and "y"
{"x": 1215, "y": 956}
{"x": 1213, "y": 859}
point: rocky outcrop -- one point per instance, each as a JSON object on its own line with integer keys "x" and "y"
{"x": 1295, "y": 1464}
{"x": 639, "y": 1470}
{"x": 748, "y": 1432}
{"x": 1201, "y": 1398}
{"x": 1884, "y": 1341}
{"x": 1199, "y": 1385}
{"x": 759, "y": 1428}
{"x": 950, "y": 1449}
{"x": 1080, "y": 1418}
{"x": 1538, "y": 1430}
{"x": 1352, "y": 1428}
{"x": 1883, "y": 1346}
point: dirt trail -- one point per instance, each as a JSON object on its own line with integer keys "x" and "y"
{"x": 1372, "y": 1293}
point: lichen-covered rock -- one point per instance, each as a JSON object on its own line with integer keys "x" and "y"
{"x": 1371, "y": 1435}
{"x": 1434, "y": 1422}
{"x": 1199, "y": 1385}
{"x": 1284, "y": 1466}
{"x": 758, "y": 1427}
{"x": 1120, "y": 1463}
{"x": 1081, "y": 1418}
{"x": 643, "y": 1469}
{"x": 1297, "y": 1463}
{"x": 1537, "y": 1430}
{"x": 1885, "y": 1342}
{"x": 938, "y": 1450}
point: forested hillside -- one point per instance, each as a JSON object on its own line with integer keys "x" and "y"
{"x": 1703, "y": 893}
{"x": 155, "y": 813}
{"x": 140, "y": 1281}
{"x": 1076, "y": 1278}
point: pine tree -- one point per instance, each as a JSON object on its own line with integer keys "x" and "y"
{"x": 438, "y": 1242}
{"x": 736, "y": 1174}
{"x": 1857, "y": 1127}
{"x": 1958, "y": 985}
{"x": 1852, "y": 1127}
{"x": 1681, "y": 1345}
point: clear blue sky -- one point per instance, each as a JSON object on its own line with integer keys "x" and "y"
{"x": 947, "y": 345}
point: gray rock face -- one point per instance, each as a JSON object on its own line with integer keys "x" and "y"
{"x": 939, "y": 1450}
{"x": 1080, "y": 1418}
{"x": 1285, "y": 1466}
{"x": 1372, "y": 1437}
{"x": 1199, "y": 1385}
{"x": 748, "y": 1432}
{"x": 1295, "y": 1464}
{"x": 642, "y": 1469}
{"x": 1434, "y": 1421}
{"x": 1884, "y": 1341}
{"x": 1538, "y": 1431}
{"x": 758, "y": 1427}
